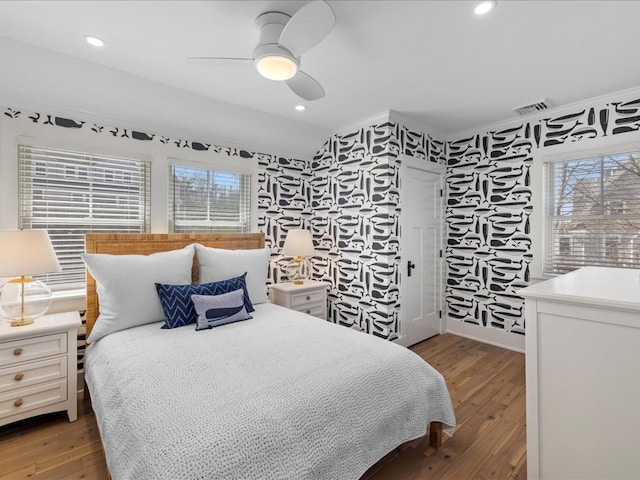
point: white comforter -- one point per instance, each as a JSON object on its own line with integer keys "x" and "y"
{"x": 281, "y": 396}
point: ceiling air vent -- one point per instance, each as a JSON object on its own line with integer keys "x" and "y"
{"x": 532, "y": 107}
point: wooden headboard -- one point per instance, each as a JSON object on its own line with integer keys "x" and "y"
{"x": 147, "y": 243}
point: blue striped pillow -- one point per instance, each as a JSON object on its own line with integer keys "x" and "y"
{"x": 176, "y": 299}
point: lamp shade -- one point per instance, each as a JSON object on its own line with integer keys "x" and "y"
{"x": 26, "y": 252}
{"x": 298, "y": 244}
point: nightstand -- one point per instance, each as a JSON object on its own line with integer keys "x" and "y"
{"x": 310, "y": 297}
{"x": 38, "y": 367}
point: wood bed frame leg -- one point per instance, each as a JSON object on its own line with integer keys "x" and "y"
{"x": 435, "y": 434}
{"x": 87, "y": 396}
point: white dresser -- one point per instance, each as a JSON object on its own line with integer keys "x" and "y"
{"x": 583, "y": 375}
{"x": 38, "y": 367}
{"x": 310, "y": 297}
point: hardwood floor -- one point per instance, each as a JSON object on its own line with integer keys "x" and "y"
{"x": 486, "y": 385}
{"x": 49, "y": 447}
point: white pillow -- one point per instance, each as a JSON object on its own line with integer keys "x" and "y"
{"x": 219, "y": 264}
{"x": 126, "y": 286}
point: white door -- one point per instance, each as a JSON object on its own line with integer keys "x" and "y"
{"x": 420, "y": 255}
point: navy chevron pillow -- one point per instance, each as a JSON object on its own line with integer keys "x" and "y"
{"x": 216, "y": 310}
{"x": 176, "y": 299}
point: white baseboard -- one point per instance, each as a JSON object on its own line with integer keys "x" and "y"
{"x": 492, "y": 336}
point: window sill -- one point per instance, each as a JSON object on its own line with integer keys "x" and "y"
{"x": 68, "y": 300}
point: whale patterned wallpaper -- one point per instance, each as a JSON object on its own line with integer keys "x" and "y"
{"x": 283, "y": 204}
{"x": 355, "y": 205}
{"x": 488, "y": 208}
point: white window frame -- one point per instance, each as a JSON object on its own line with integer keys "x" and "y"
{"x": 222, "y": 165}
{"x": 210, "y": 224}
{"x": 81, "y": 150}
{"x": 571, "y": 151}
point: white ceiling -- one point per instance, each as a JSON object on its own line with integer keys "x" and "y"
{"x": 435, "y": 62}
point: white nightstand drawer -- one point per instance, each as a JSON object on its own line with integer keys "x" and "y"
{"x": 38, "y": 367}
{"x": 309, "y": 297}
{"x": 30, "y": 398}
{"x": 315, "y": 309}
{"x": 305, "y": 298}
{"x": 32, "y": 373}
{"x": 32, "y": 348}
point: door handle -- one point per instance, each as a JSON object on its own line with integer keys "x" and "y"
{"x": 410, "y": 266}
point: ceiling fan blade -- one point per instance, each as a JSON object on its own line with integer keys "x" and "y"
{"x": 307, "y": 27}
{"x": 305, "y": 86}
{"x": 225, "y": 62}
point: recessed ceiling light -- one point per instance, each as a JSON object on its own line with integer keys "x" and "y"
{"x": 300, "y": 108}
{"x": 484, "y": 7}
{"x": 95, "y": 41}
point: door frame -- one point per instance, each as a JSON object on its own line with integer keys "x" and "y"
{"x": 438, "y": 169}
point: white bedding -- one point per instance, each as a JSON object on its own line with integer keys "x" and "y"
{"x": 281, "y": 396}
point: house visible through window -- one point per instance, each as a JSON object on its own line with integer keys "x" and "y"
{"x": 593, "y": 213}
{"x": 202, "y": 200}
{"x": 73, "y": 193}
{"x": 565, "y": 245}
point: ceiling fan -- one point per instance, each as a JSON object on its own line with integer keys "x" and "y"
{"x": 283, "y": 40}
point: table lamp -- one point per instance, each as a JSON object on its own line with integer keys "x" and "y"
{"x": 298, "y": 244}
{"x": 24, "y": 253}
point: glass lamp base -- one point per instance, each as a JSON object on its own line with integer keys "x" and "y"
{"x": 22, "y": 322}
{"x": 296, "y": 271}
{"x": 24, "y": 299}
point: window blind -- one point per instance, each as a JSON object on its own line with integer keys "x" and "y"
{"x": 73, "y": 193}
{"x": 202, "y": 200}
{"x": 593, "y": 213}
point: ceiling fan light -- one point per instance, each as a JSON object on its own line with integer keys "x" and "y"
{"x": 276, "y": 67}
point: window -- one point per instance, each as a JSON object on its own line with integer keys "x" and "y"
{"x": 202, "y": 200}
{"x": 72, "y": 193}
{"x": 593, "y": 213}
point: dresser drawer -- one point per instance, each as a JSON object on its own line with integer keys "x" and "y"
{"x": 32, "y": 373}
{"x": 27, "y": 349}
{"x": 315, "y": 309}
{"x": 30, "y": 398}
{"x": 305, "y": 298}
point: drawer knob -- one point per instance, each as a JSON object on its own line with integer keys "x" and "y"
{"x": 18, "y": 403}
{"x": 308, "y": 311}
{"x": 18, "y": 377}
{"x": 308, "y": 297}
{"x": 17, "y": 351}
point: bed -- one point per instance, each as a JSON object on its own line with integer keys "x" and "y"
{"x": 281, "y": 395}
